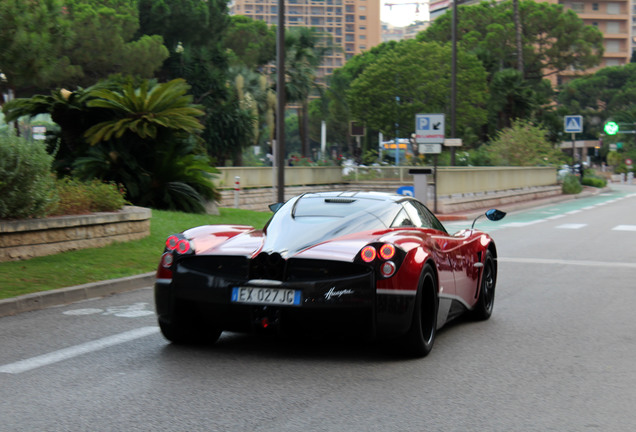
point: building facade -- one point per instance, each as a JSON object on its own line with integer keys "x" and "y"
{"x": 354, "y": 25}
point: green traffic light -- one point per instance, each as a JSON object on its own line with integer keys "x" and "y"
{"x": 611, "y": 128}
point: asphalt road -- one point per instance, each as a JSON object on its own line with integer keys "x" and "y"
{"x": 556, "y": 355}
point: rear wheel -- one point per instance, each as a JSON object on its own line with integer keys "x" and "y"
{"x": 419, "y": 340}
{"x": 186, "y": 328}
{"x": 486, "y": 301}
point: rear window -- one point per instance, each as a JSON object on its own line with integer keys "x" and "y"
{"x": 334, "y": 206}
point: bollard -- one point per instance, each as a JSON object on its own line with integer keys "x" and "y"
{"x": 630, "y": 177}
{"x": 237, "y": 188}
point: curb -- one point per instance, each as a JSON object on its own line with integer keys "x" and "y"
{"x": 63, "y": 296}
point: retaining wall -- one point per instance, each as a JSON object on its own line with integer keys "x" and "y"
{"x": 28, "y": 238}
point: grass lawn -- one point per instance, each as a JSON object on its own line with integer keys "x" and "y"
{"x": 113, "y": 261}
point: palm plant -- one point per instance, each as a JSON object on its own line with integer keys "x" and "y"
{"x": 144, "y": 111}
{"x": 304, "y": 50}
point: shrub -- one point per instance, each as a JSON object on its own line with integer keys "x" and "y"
{"x": 571, "y": 185}
{"x": 26, "y": 183}
{"x": 593, "y": 181}
{"x": 76, "y": 197}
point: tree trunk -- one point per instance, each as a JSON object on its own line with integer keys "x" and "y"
{"x": 518, "y": 32}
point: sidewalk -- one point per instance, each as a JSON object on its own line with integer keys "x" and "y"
{"x": 62, "y": 296}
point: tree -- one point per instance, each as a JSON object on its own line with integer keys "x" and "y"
{"x": 554, "y": 40}
{"x": 414, "y": 78}
{"x": 609, "y": 93}
{"x": 523, "y": 144}
{"x": 33, "y": 35}
{"x": 251, "y": 42}
{"x": 304, "y": 50}
{"x": 104, "y": 42}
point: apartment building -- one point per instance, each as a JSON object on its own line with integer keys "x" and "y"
{"x": 354, "y": 25}
{"x": 614, "y": 19}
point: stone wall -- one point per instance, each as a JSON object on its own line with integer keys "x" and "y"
{"x": 28, "y": 238}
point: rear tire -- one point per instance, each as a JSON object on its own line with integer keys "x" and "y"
{"x": 486, "y": 301}
{"x": 186, "y": 328}
{"x": 419, "y": 340}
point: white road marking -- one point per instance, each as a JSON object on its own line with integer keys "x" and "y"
{"x": 571, "y": 226}
{"x": 624, "y": 228}
{"x": 568, "y": 262}
{"x": 77, "y": 350}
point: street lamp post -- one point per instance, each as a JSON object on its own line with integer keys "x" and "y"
{"x": 280, "y": 102}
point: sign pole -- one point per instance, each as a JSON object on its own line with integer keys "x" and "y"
{"x": 573, "y": 153}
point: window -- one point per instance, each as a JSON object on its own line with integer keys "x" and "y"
{"x": 349, "y": 8}
{"x": 421, "y": 217}
{"x": 612, "y": 62}
{"x": 612, "y": 27}
{"x": 362, "y": 17}
{"x": 613, "y": 8}
{"x": 363, "y": 36}
{"x": 362, "y": 27}
{"x": 578, "y": 7}
{"x": 362, "y": 8}
{"x": 594, "y": 6}
{"x": 612, "y": 46}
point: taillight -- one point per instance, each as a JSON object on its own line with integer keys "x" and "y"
{"x": 387, "y": 251}
{"x": 171, "y": 242}
{"x": 368, "y": 254}
{"x": 178, "y": 244}
{"x": 386, "y": 258}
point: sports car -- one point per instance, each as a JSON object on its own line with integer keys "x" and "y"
{"x": 377, "y": 265}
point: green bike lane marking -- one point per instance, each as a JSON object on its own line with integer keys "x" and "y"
{"x": 545, "y": 213}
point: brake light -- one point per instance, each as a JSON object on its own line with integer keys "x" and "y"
{"x": 368, "y": 254}
{"x": 387, "y": 251}
{"x": 172, "y": 242}
{"x": 180, "y": 245}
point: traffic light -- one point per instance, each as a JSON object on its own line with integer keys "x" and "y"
{"x": 611, "y": 128}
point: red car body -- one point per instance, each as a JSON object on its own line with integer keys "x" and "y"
{"x": 376, "y": 264}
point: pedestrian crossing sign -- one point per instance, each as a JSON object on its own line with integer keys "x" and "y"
{"x": 573, "y": 124}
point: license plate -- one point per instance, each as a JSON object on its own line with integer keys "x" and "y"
{"x": 269, "y": 296}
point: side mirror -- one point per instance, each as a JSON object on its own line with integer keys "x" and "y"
{"x": 274, "y": 207}
{"x": 492, "y": 214}
{"x": 495, "y": 215}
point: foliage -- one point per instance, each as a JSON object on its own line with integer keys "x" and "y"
{"x": 414, "y": 78}
{"x": 554, "y": 39}
{"x": 33, "y": 36}
{"x": 523, "y": 144}
{"x": 597, "y": 182}
{"x": 304, "y": 50}
{"x": 142, "y": 137}
{"x": 73, "y": 43}
{"x": 607, "y": 94}
{"x": 144, "y": 111}
{"x": 104, "y": 42}
{"x": 76, "y": 197}
{"x": 614, "y": 159}
{"x": 252, "y": 43}
{"x": 25, "y": 179}
{"x": 571, "y": 185}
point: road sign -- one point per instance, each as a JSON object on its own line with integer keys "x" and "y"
{"x": 430, "y": 148}
{"x": 573, "y": 124}
{"x": 429, "y": 128}
{"x": 453, "y": 142}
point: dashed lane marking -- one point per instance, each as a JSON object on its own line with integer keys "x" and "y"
{"x": 77, "y": 350}
{"x": 571, "y": 226}
{"x": 567, "y": 262}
